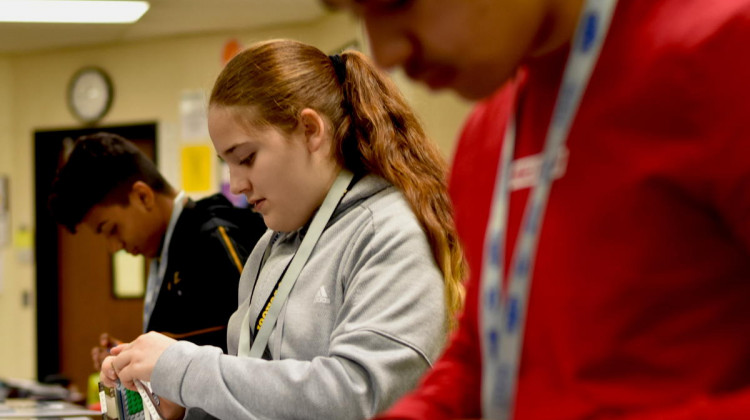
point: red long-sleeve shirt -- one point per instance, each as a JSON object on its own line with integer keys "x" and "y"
{"x": 640, "y": 301}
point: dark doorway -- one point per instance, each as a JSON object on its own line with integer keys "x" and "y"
{"x": 75, "y": 302}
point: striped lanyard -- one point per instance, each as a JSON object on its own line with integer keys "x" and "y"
{"x": 503, "y": 312}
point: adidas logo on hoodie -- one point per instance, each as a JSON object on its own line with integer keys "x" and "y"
{"x": 322, "y": 296}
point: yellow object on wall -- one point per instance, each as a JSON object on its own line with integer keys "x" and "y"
{"x": 196, "y": 168}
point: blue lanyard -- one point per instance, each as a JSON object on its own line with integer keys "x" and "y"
{"x": 503, "y": 314}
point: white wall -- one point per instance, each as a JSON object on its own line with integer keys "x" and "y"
{"x": 148, "y": 78}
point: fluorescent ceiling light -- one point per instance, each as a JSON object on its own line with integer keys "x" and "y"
{"x": 72, "y": 11}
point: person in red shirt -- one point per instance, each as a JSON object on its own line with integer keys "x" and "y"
{"x": 639, "y": 289}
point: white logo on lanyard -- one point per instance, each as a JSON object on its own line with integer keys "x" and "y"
{"x": 525, "y": 171}
{"x": 503, "y": 315}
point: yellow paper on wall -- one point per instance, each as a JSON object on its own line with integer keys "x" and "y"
{"x": 196, "y": 168}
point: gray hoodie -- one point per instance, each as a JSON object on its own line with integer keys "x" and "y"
{"x": 363, "y": 322}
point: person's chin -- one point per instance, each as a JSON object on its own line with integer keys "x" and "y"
{"x": 151, "y": 254}
{"x": 470, "y": 88}
{"x": 272, "y": 224}
{"x": 476, "y": 88}
{"x": 438, "y": 81}
{"x": 435, "y": 76}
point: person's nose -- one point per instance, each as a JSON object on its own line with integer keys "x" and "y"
{"x": 390, "y": 44}
{"x": 238, "y": 184}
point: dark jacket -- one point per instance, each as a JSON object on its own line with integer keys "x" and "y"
{"x": 208, "y": 249}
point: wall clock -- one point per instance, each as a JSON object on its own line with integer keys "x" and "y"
{"x": 90, "y": 94}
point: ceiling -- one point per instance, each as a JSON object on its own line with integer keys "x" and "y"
{"x": 164, "y": 18}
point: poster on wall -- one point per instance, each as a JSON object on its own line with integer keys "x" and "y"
{"x": 128, "y": 275}
{"x": 196, "y": 160}
{"x": 193, "y": 116}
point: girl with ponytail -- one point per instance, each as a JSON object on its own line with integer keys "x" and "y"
{"x": 348, "y": 298}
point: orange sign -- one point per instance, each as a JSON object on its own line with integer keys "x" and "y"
{"x": 231, "y": 48}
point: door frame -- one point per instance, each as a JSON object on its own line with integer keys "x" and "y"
{"x": 48, "y": 144}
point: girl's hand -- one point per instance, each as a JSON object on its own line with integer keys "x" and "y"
{"x": 136, "y": 360}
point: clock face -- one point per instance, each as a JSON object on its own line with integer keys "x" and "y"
{"x": 90, "y": 94}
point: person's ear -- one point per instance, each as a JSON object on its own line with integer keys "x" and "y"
{"x": 314, "y": 126}
{"x": 143, "y": 195}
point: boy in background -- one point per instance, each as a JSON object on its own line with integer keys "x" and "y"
{"x": 197, "y": 248}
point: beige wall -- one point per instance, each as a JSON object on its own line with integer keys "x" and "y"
{"x": 17, "y": 354}
{"x": 149, "y": 78}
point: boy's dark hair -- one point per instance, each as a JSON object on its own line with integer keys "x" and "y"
{"x": 101, "y": 169}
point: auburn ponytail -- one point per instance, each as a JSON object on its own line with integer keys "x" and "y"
{"x": 374, "y": 131}
{"x": 391, "y": 143}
